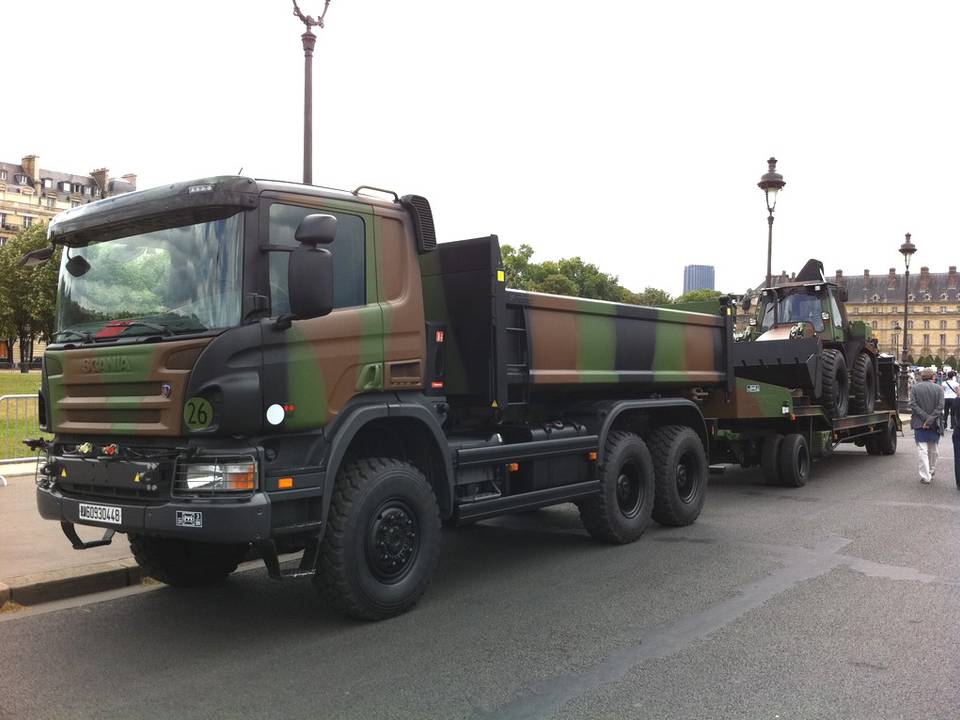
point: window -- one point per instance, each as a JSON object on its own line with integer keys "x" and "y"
{"x": 926, "y": 324}
{"x": 27, "y": 221}
{"x": 87, "y": 190}
{"x": 21, "y": 179}
{"x": 47, "y": 183}
{"x": 943, "y": 324}
{"x": 943, "y": 340}
{"x": 74, "y": 203}
{"x": 895, "y": 309}
{"x": 910, "y": 297}
{"x": 874, "y": 324}
{"x": 3, "y": 174}
{"x": 926, "y": 308}
{"x": 926, "y": 341}
{"x": 909, "y": 324}
{"x": 895, "y": 341}
{"x": 856, "y": 311}
{"x": 65, "y": 187}
{"x": 909, "y": 340}
{"x": 943, "y": 308}
{"x": 348, "y": 249}
{"x": 51, "y": 202}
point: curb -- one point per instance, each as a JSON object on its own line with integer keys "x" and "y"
{"x": 70, "y": 582}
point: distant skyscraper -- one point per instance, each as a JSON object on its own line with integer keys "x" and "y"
{"x": 698, "y": 277}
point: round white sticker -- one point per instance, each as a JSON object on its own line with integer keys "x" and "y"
{"x": 275, "y": 414}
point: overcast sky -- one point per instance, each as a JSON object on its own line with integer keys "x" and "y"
{"x": 630, "y": 133}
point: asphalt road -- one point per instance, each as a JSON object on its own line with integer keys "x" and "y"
{"x": 837, "y": 600}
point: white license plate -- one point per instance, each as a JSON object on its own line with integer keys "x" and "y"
{"x": 100, "y": 513}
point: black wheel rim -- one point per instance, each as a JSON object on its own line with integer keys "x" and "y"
{"x": 393, "y": 541}
{"x": 629, "y": 490}
{"x": 688, "y": 477}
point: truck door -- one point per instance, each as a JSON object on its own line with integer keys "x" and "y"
{"x": 313, "y": 368}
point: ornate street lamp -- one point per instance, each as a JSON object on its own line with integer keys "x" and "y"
{"x": 907, "y": 249}
{"x": 309, "y": 41}
{"x": 771, "y": 183}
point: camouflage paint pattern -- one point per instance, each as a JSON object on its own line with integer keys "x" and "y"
{"x": 580, "y": 341}
{"x": 119, "y": 390}
{"x": 749, "y": 400}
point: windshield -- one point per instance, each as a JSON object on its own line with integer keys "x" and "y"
{"x": 798, "y": 306}
{"x": 177, "y": 280}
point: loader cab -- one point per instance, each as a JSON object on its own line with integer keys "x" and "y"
{"x": 818, "y": 306}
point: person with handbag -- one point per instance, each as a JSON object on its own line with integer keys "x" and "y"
{"x": 926, "y": 415}
{"x": 951, "y": 390}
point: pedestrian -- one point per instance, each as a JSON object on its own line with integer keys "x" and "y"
{"x": 956, "y": 455}
{"x": 951, "y": 389}
{"x": 926, "y": 415}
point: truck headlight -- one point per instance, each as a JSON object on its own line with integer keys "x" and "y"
{"x": 216, "y": 476}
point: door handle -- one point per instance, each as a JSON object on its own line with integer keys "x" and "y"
{"x": 370, "y": 377}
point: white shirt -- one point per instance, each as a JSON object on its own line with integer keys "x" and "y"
{"x": 950, "y": 388}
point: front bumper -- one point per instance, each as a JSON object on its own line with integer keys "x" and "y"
{"x": 223, "y": 520}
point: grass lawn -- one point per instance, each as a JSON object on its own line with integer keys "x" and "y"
{"x": 18, "y": 418}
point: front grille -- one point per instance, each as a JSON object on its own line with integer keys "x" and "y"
{"x": 76, "y": 491}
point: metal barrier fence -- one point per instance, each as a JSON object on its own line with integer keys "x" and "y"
{"x": 18, "y": 422}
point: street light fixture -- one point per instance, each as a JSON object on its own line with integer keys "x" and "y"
{"x": 309, "y": 40}
{"x": 907, "y": 249}
{"x": 771, "y": 183}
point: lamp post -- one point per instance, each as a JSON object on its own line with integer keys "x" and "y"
{"x": 907, "y": 249}
{"x": 309, "y": 41}
{"x": 771, "y": 183}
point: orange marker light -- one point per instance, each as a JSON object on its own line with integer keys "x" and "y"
{"x": 285, "y": 483}
{"x": 592, "y": 456}
{"x": 513, "y": 467}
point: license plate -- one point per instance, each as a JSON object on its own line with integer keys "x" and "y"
{"x": 100, "y": 513}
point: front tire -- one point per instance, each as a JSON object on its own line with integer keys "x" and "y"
{"x": 835, "y": 384}
{"x": 681, "y": 473}
{"x": 185, "y": 563}
{"x": 621, "y": 512}
{"x": 382, "y": 541}
{"x": 863, "y": 385}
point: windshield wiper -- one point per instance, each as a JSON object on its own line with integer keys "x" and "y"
{"x": 78, "y": 334}
{"x": 156, "y": 327}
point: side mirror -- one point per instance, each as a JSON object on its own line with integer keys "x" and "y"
{"x": 317, "y": 230}
{"x": 35, "y": 257}
{"x": 310, "y": 281}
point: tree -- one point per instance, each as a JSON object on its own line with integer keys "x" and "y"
{"x": 653, "y": 296}
{"x": 567, "y": 276}
{"x": 951, "y": 361}
{"x": 702, "y": 295}
{"x": 937, "y": 361}
{"x": 516, "y": 266}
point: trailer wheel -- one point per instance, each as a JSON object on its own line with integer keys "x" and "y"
{"x": 794, "y": 461}
{"x": 621, "y": 512}
{"x": 863, "y": 382}
{"x": 382, "y": 542}
{"x": 681, "y": 470}
{"x": 885, "y": 443}
{"x": 185, "y": 563}
{"x": 770, "y": 459}
{"x": 835, "y": 396}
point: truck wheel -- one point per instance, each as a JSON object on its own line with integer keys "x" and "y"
{"x": 863, "y": 382}
{"x": 884, "y": 443}
{"x": 185, "y": 563}
{"x": 382, "y": 542}
{"x": 835, "y": 381}
{"x": 681, "y": 471}
{"x": 770, "y": 459}
{"x": 621, "y": 512}
{"x": 794, "y": 460}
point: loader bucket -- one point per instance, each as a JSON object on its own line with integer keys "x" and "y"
{"x": 787, "y": 363}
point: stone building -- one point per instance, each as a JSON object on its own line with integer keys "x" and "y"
{"x": 933, "y": 326}
{"x": 29, "y": 193}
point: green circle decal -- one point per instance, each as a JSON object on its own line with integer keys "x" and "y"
{"x": 197, "y": 414}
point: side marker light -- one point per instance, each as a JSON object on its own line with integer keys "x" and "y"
{"x": 285, "y": 483}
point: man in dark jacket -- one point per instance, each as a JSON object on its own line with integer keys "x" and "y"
{"x": 926, "y": 414}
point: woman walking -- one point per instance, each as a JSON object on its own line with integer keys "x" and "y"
{"x": 926, "y": 416}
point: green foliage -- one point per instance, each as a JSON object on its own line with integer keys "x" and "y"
{"x": 910, "y": 360}
{"x": 937, "y": 361}
{"x": 951, "y": 361}
{"x": 653, "y": 296}
{"x": 27, "y": 295}
{"x": 567, "y": 276}
{"x": 925, "y": 361}
{"x": 702, "y": 295}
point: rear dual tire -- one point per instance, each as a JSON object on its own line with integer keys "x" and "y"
{"x": 785, "y": 460}
{"x": 884, "y": 443}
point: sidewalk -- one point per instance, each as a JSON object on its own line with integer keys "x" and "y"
{"x": 37, "y": 562}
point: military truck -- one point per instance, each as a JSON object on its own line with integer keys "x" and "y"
{"x": 800, "y": 337}
{"x": 244, "y": 364}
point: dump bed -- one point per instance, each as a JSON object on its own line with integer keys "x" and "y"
{"x": 510, "y": 347}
